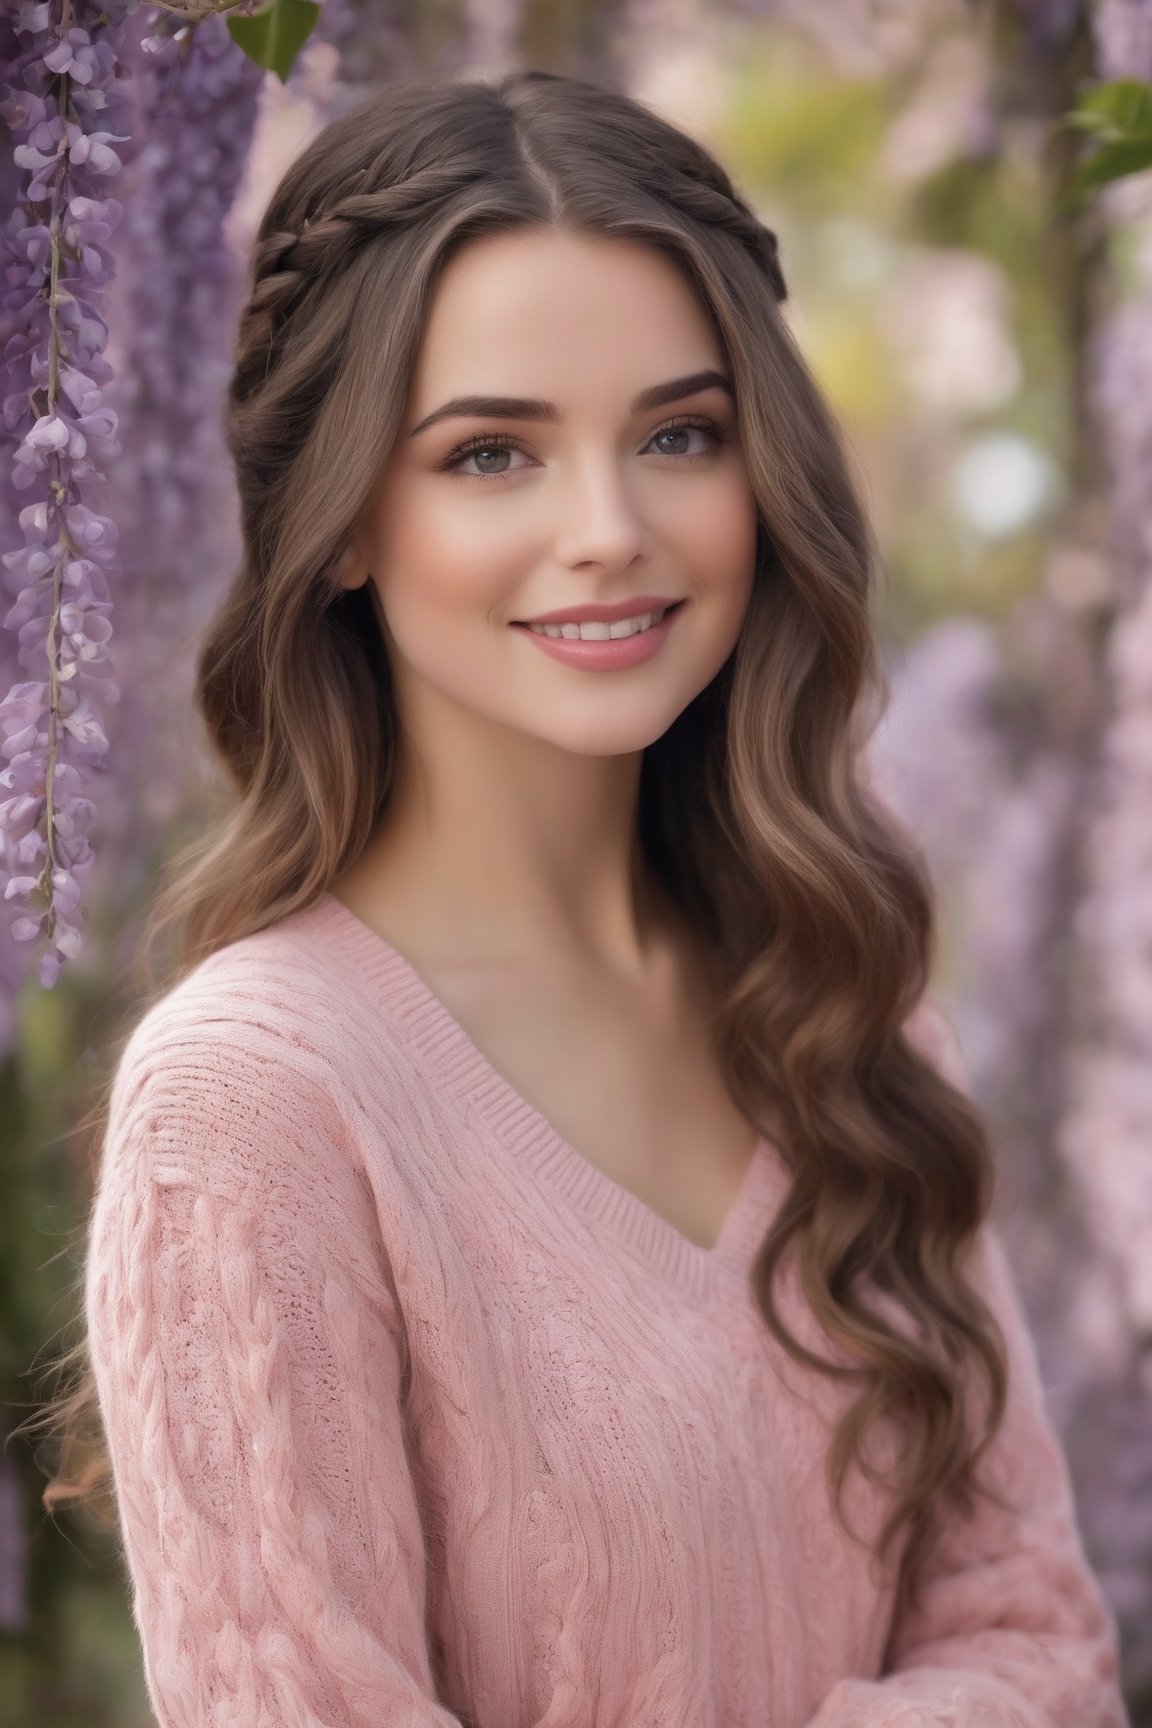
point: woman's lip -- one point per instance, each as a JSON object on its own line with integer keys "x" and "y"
{"x": 606, "y": 654}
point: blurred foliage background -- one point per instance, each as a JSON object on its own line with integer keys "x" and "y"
{"x": 987, "y": 342}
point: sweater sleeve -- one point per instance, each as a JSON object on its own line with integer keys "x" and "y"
{"x": 249, "y": 1361}
{"x": 1012, "y": 1630}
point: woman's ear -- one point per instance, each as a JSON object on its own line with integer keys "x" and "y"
{"x": 351, "y": 570}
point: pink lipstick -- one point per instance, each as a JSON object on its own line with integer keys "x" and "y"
{"x": 611, "y": 655}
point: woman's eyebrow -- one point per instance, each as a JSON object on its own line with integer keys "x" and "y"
{"x": 528, "y": 408}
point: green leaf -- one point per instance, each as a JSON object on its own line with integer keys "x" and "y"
{"x": 1120, "y": 109}
{"x": 1112, "y": 162}
{"x": 274, "y": 36}
{"x": 1117, "y": 118}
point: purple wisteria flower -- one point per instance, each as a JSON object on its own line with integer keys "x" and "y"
{"x": 186, "y": 138}
{"x": 68, "y": 113}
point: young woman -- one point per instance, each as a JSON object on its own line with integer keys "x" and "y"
{"x": 541, "y": 1272}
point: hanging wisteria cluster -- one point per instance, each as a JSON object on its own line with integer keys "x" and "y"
{"x": 197, "y": 101}
{"x": 90, "y": 88}
{"x": 69, "y": 118}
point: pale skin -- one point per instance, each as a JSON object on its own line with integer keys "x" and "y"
{"x": 506, "y": 868}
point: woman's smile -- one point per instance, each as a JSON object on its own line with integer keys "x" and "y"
{"x": 602, "y": 647}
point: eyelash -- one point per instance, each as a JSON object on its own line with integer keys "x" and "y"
{"x": 503, "y": 441}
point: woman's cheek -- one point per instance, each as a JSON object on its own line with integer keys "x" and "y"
{"x": 468, "y": 554}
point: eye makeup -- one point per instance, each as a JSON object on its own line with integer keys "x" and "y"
{"x": 504, "y": 441}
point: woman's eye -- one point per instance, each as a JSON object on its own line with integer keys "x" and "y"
{"x": 489, "y": 457}
{"x": 676, "y": 440}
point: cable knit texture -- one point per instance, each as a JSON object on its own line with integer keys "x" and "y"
{"x": 416, "y": 1417}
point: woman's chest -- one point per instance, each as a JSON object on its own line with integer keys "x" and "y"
{"x": 628, "y": 1080}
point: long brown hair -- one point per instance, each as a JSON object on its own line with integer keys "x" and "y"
{"x": 815, "y": 907}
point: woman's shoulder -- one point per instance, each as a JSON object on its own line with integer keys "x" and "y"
{"x": 267, "y": 1013}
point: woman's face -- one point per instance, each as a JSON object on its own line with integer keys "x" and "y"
{"x": 603, "y": 465}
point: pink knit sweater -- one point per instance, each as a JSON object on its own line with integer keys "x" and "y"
{"x": 418, "y": 1418}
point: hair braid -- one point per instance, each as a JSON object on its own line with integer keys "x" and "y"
{"x": 719, "y": 206}
{"x": 288, "y": 260}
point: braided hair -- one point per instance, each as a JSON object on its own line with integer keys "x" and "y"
{"x": 310, "y": 234}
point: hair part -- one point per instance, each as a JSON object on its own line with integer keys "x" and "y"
{"x": 816, "y": 908}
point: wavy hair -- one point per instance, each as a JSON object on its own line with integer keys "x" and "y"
{"x": 815, "y": 908}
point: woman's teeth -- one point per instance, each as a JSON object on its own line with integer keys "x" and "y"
{"x": 597, "y": 631}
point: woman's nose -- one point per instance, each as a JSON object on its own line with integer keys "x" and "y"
{"x": 601, "y": 522}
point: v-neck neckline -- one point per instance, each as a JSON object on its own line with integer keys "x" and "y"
{"x": 447, "y": 1051}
